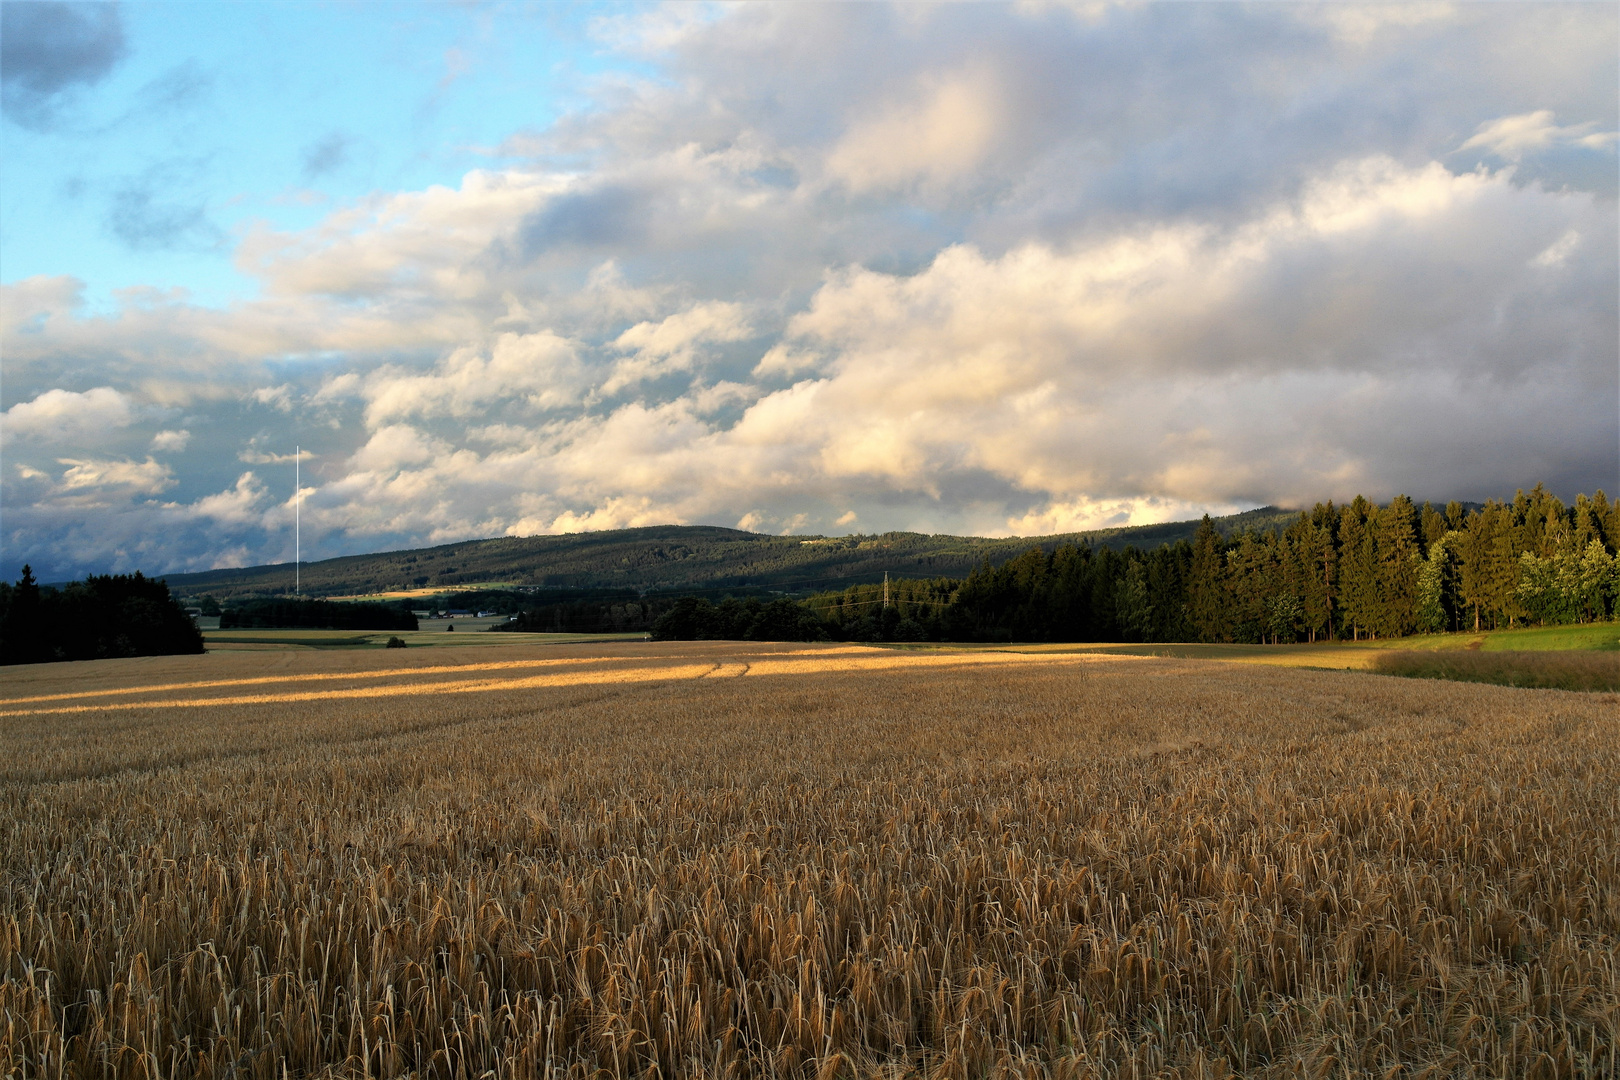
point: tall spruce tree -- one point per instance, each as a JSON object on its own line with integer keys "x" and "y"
{"x": 1249, "y": 573}
{"x": 1433, "y": 525}
{"x": 21, "y": 639}
{"x": 1298, "y": 553}
{"x": 1358, "y": 566}
{"x": 1589, "y": 524}
{"x": 1206, "y": 588}
{"x": 1321, "y": 601}
{"x": 1168, "y": 569}
{"x": 1474, "y": 556}
{"x": 1400, "y": 552}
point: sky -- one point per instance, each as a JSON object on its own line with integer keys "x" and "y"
{"x": 993, "y": 269}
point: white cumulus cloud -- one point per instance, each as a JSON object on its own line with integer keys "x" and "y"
{"x": 170, "y": 441}
{"x": 541, "y": 370}
{"x": 58, "y": 416}
{"x": 147, "y": 477}
{"x": 1514, "y": 136}
{"x": 672, "y": 344}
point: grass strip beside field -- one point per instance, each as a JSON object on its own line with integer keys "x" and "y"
{"x": 1567, "y": 670}
{"x": 1599, "y": 637}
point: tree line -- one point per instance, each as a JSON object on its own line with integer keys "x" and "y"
{"x": 734, "y": 618}
{"x": 102, "y": 616}
{"x": 1355, "y": 571}
{"x": 312, "y": 613}
{"x": 578, "y": 611}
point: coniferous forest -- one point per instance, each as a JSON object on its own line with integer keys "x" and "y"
{"x": 1355, "y": 571}
{"x": 1336, "y": 572}
{"x": 291, "y": 612}
{"x": 100, "y": 617}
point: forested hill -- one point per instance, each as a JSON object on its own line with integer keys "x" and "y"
{"x": 680, "y": 557}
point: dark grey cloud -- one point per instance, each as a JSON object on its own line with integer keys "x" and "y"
{"x": 47, "y": 50}
{"x": 1572, "y": 167}
{"x": 145, "y": 217}
{"x": 181, "y": 87}
{"x": 326, "y": 155}
{"x": 610, "y": 215}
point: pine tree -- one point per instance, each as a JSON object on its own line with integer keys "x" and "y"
{"x": 1540, "y": 524}
{"x": 1249, "y": 572}
{"x": 1608, "y": 515}
{"x": 1322, "y": 596}
{"x": 1299, "y": 559}
{"x": 1433, "y": 526}
{"x": 21, "y": 639}
{"x": 1168, "y": 568}
{"x": 1399, "y": 554}
{"x": 1206, "y": 588}
{"x": 1358, "y": 566}
{"x": 1474, "y": 552}
{"x": 1591, "y": 522}
{"x": 1133, "y": 605}
{"x": 1513, "y": 534}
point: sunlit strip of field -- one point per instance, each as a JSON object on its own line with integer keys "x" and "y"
{"x": 427, "y": 592}
{"x": 822, "y": 663}
{"x": 413, "y": 689}
{"x": 382, "y": 673}
{"x": 1342, "y": 656}
{"x": 832, "y": 661}
{"x": 212, "y": 684}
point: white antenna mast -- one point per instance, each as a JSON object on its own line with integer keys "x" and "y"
{"x": 885, "y": 590}
{"x": 298, "y": 521}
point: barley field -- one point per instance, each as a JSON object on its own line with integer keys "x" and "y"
{"x": 712, "y": 859}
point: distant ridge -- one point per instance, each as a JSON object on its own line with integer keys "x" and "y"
{"x": 691, "y": 557}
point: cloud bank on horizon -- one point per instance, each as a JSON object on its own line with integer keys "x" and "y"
{"x": 812, "y": 268}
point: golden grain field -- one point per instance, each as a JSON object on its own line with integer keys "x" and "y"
{"x": 718, "y": 859}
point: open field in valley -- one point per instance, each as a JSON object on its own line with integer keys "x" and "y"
{"x": 724, "y": 859}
